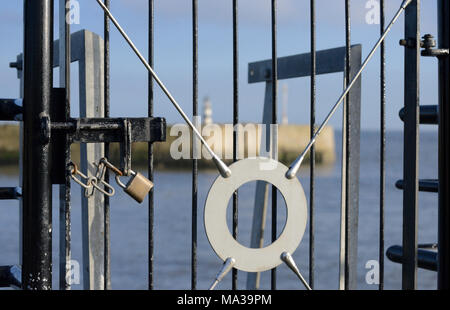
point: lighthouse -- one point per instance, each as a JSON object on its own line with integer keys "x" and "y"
{"x": 207, "y": 111}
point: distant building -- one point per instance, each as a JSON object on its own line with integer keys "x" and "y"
{"x": 207, "y": 111}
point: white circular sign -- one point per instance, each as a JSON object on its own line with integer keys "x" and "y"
{"x": 219, "y": 236}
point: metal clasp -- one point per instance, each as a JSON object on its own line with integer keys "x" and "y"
{"x": 88, "y": 186}
{"x": 92, "y": 183}
{"x": 100, "y": 178}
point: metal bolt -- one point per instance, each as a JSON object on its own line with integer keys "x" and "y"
{"x": 428, "y": 41}
{"x": 17, "y": 65}
{"x": 410, "y": 43}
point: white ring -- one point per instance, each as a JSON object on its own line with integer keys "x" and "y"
{"x": 215, "y": 219}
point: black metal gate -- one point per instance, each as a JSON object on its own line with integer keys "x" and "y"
{"x": 49, "y": 130}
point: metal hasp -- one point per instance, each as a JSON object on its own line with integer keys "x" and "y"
{"x": 37, "y": 187}
{"x": 327, "y": 61}
{"x": 411, "y": 145}
{"x": 101, "y": 130}
{"x": 444, "y": 148}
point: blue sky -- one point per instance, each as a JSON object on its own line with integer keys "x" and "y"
{"x": 173, "y": 55}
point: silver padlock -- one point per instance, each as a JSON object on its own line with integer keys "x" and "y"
{"x": 137, "y": 187}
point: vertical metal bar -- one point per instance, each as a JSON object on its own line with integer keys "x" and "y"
{"x": 350, "y": 177}
{"x": 107, "y": 250}
{"x": 91, "y": 95}
{"x": 64, "y": 190}
{"x": 343, "y": 194}
{"x": 352, "y": 157}
{"x": 37, "y": 188}
{"x": 21, "y": 148}
{"x": 444, "y": 149}
{"x": 313, "y": 150}
{"x": 194, "y": 160}
{"x": 274, "y": 121}
{"x": 382, "y": 145}
{"x": 353, "y": 160}
{"x": 411, "y": 146}
{"x": 235, "y": 122}
{"x": 151, "y": 210}
{"x": 346, "y": 128}
{"x": 262, "y": 189}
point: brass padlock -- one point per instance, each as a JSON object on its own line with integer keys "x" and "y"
{"x": 137, "y": 187}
